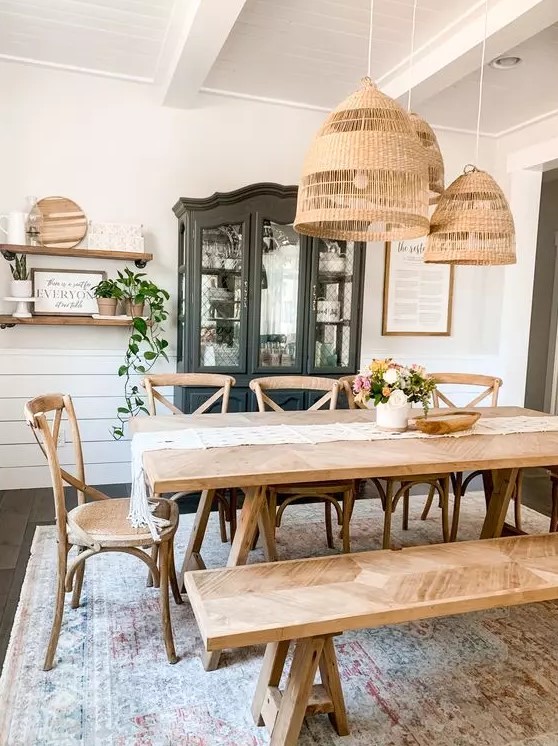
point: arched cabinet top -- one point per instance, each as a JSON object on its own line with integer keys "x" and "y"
{"x": 263, "y": 189}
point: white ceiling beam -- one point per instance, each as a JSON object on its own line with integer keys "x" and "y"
{"x": 455, "y": 52}
{"x": 196, "y": 34}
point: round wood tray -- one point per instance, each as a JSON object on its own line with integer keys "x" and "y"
{"x": 450, "y": 422}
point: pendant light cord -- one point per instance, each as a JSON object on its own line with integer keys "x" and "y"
{"x": 481, "y": 81}
{"x": 411, "y": 56}
{"x": 370, "y": 39}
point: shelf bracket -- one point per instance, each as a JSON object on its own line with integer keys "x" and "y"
{"x": 8, "y": 255}
{"x": 7, "y": 326}
{"x": 140, "y": 263}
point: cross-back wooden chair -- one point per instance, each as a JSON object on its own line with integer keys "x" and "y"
{"x": 490, "y": 388}
{"x": 395, "y": 489}
{"x": 226, "y": 500}
{"x": 328, "y": 492}
{"x": 98, "y": 526}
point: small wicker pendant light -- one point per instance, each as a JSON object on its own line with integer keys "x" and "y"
{"x": 365, "y": 176}
{"x": 434, "y": 156}
{"x": 472, "y": 223}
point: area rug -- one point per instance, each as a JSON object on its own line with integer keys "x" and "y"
{"x": 479, "y": 679}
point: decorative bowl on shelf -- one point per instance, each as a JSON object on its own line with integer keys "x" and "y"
{"x": 450, "y": 422}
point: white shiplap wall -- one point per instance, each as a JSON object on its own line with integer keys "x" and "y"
{"x": 90, "y": 377}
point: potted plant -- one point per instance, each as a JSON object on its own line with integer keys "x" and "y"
{"x": 391, "y": 388}
{"x": 108, "y": 294}
{"x": 146, "y": 344}
{"x": 135, "y": 291}
{"x": 21, "y": 286}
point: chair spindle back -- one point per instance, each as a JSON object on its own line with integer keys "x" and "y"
{"x": 260, "y": 386}
{"x": 210, "y": 380}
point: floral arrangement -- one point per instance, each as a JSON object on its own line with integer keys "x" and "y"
{"x": 386, "y": 381}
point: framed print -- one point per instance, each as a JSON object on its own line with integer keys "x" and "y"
{"x": 65, "y": 292}
{"x": 418, "y": 297}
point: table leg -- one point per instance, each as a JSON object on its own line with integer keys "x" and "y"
{"x": 253, "y": 506}
{"x": 504, "y": 482}
{"x": 254, "y": 511}
{"x": 267, "y": 531}
{"x": 192, "y": 557}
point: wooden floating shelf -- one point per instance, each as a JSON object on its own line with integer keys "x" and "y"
{"x": 8, "y": 321}
{"x": 9, "y": 250}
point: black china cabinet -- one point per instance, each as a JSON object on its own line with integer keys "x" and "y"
{"x": 256, "y": 298}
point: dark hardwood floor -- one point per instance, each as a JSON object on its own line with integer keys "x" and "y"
{"x": 21, "y": 511}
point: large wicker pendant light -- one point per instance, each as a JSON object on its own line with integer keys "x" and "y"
{"x": 365, "y": 176}
{"x": 472, "y": 223}
{"x": 425, "y": 132}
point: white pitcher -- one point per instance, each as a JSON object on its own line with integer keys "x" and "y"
{"x": 15, "y": 231}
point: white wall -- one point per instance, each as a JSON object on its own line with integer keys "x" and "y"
{"x": 123, "y": 158}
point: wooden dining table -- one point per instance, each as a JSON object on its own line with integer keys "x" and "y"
{"x": 252, "y": 467}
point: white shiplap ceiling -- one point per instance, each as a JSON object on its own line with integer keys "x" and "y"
{"x": 315, "y": 51}
{"x": 115, "y": 37}
{"x": 510, "y": 97}
{"x": 308, "y": 53}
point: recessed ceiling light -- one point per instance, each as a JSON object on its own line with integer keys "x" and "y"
{"x": 505, "y": 63}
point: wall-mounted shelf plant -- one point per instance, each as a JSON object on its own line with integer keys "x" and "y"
{"x": 9, "y": 252}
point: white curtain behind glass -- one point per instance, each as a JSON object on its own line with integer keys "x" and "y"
{"x": 279, "y": 299}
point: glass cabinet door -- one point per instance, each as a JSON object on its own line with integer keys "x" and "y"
{"x": 221, "y": 299}
{"x": 278, "y": 298}
{"x": 334, "y": 324}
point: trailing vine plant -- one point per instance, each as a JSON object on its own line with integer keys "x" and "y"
{"x": 146, "y": 344}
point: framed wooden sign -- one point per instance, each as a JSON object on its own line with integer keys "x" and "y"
{"x": 65, "y": 292}
{"x": 418, "y": 297}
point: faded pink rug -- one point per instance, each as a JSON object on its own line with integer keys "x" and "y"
{"x": 482, "y": 679}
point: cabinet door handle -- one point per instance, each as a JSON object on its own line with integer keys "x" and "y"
{"x": 314, "y": 297}
{"x": 245, "y": 299}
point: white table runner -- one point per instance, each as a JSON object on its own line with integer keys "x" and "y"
{"x": 227, "y": 437}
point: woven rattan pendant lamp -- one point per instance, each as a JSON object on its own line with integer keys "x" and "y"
{"x": 472, "y": 223}
{"x": 425, "y": 132}
{"x": 365, "y": 176}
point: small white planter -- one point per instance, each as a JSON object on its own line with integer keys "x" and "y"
{"x": 389, "y": 417}
{"x": 21, "y": 288}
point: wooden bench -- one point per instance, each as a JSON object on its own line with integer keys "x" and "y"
{"x": 309, "y": 601}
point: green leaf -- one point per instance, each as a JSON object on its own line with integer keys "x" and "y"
{"x": 149, "y": 355}
{"x": 122, "y": 370}
{"x": 140, "y": 368}
{"x": 134, "y": 348}
{"x": 117, "y": 433}
{"x": 123, "y": 410}
{"x": 143, "y": 409}
{"x": 140, "y": 324}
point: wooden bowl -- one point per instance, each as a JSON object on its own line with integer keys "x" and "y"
{"x": 449, "y": 422}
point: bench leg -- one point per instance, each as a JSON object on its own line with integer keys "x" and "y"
{"x": 332, "y": 683}
{"x": 283, "y": 712}
{"x": 270, "y": 676}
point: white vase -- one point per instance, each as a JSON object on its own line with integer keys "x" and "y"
{"x": 389, "y": 417}
{"x": 21, "y": 288}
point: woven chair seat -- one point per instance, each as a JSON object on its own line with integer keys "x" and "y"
{"x": 106, "y": 522}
